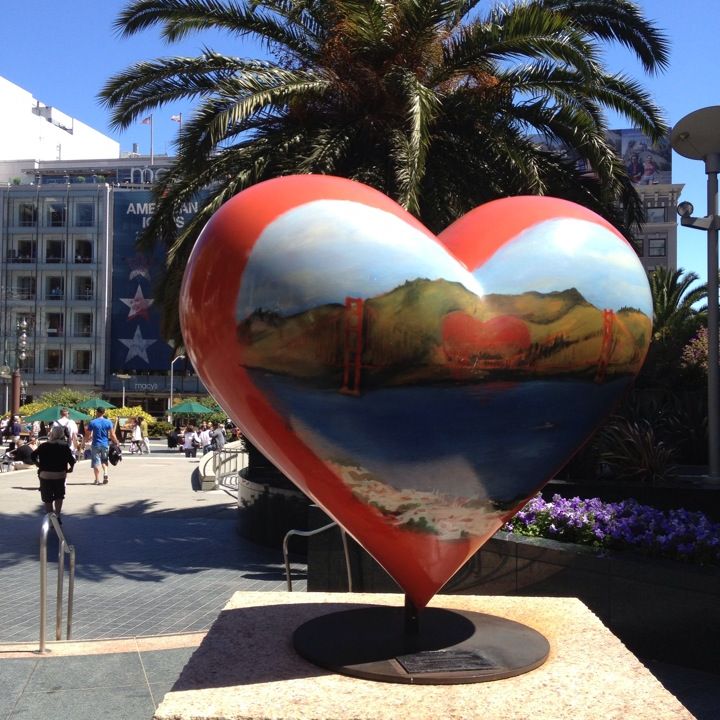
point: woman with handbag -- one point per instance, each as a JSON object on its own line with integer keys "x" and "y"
{"x": 191, "y": 442}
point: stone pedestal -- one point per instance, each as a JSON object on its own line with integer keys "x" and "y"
{"x": 247, "y": 668}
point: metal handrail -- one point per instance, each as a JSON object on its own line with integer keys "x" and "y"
{"x": 226, "y": 463}
{"x": 309, "y": 533}
{"x": 48, "y": 520}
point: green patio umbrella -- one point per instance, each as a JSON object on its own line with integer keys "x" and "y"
{"x": 189, "y": 407}
{"x": 53, "y": 413}
{"x": 94, "y": 403}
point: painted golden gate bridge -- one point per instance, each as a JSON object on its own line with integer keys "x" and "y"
{"x": 354, "y": 330}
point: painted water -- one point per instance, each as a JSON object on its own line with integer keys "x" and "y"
{"x": 497, "y": 441}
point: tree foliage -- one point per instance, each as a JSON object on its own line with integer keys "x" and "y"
{"x": 438, "y": 103}
{"x": 679, "y": 311}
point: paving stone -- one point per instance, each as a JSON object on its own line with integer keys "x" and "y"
{"x": 118, "y": 703}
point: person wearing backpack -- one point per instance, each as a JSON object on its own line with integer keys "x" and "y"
{"x": 70, "y": 427}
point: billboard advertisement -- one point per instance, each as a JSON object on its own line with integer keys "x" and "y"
{"x": 647, "y": 163}
{"x": 136, "y": 343}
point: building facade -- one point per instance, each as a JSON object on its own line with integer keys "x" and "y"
{"x": 31, "y": 130}
{"x": 72, "y": 280}
{"x": 649, "y": 166}
{"x": 656, "y": 243}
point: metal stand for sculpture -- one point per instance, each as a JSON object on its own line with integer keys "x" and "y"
{"x": 432, "y": 646}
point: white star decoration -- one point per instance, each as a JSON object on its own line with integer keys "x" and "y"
{"x": 138, "y": 305}
{"x": 137, "y": 346}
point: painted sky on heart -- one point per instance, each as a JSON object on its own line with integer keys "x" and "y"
{"x": 327, "y": 250}
{"x": 564, "y": 253}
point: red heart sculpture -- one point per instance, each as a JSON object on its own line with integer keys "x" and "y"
{"x": 419, "y": 389}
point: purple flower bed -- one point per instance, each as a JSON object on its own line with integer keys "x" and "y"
{"x": 625, "y": 525}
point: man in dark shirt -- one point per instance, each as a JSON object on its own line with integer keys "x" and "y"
{"x": 15, "y": 428}
{"x": 22, "y": 455}
{"x": 55, "y": 461}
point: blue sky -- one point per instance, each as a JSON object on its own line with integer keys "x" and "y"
{"x": 62, "y": 52}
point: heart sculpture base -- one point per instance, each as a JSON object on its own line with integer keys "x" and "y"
{"x": 434, "y": 647}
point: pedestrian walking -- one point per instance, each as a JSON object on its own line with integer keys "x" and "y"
{"x": 137, "y": 443}
{"x": 54, "y": 461}
{"x": 70, "y": 427}
{"x": 100, "y": 432}
{"x": 204, "y": 435}
{"x": 15, "y": 429}
{"x": 217, "y": 436}
{"x": 191, "y": 442}
{"x": 144, "y": 433}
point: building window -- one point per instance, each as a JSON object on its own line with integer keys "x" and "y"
{"x": 53, "y": 360}
{"x": 83, "y": 325}
{"x": 56, "y": 214}
{"x": 82, "y": 362}
{"x": 85, "y": 214}
{"x": 83, "y": 251}
{"x": 26, "y": 250}
{"x": 657, "y": 245}
{"x": 55, "y": 251}
{"x": 54, "y": 288}
{"x": 655, "y": 214}
{"x": 27, "y": 215}
{"x": 55, "y": 324}
{"x": 83, "y": 288}
{"x": 25, "y": 288}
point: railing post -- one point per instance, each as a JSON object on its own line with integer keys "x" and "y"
{"x": 48, "y": 520}
{"x": 43, "y": 579}
{"x": 59, "y": 594}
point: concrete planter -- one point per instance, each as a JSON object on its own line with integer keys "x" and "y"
{"x": 660, "y": 609}
{"x": 266, "y": 512}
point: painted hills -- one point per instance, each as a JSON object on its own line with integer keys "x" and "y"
{"x": 431, "y": 331}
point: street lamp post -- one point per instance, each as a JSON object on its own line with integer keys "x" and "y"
{"x": 172, "y": 378}
{"x": 697, "y": 136}
{"x": 21, "y": 348}
{"x": 122, "y": 377}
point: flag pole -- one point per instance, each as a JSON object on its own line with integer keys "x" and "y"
{"x": 152, "y": 156}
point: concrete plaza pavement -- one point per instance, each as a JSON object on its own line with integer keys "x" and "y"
{"x": 154, "y": 554}
{"x": 155, "y": 557}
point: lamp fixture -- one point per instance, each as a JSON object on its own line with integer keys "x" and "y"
{"x": 685, "y": 209}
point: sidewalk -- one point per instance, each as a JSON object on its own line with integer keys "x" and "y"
{"x": 155, "y": 557}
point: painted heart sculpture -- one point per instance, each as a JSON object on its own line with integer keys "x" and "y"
{"x": 419, "y": 388}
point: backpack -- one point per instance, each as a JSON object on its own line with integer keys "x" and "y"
{"x": 57, "y": 423}
{"x": 114, "y": 454}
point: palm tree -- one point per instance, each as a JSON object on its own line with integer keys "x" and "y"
{"x": 679, "y": 311}
{"x": 676, "y": 316}
{"x": 431, "y": 101}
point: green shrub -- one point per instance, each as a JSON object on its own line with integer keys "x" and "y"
{"x": 631, "y": 450}
{"x": 159, "y": 428}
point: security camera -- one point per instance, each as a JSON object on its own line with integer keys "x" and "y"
{"x": 685, "y": 209}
